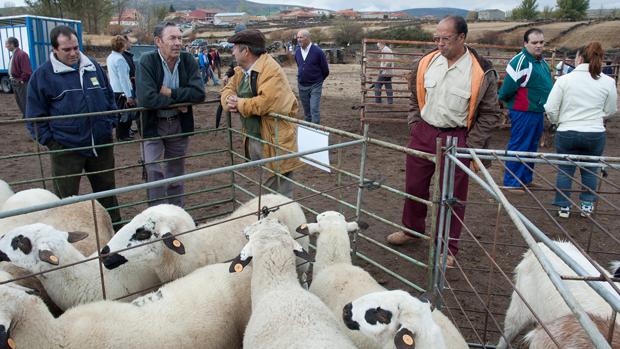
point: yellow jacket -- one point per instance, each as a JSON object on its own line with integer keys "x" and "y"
{"x": 273, "y": 94}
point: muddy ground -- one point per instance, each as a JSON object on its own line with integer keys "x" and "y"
{"x": 341, "y": 95}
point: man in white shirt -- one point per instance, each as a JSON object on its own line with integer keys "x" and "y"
{"x": 385, "y": 73}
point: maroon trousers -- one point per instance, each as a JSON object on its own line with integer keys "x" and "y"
{"x": 419, "y": 173}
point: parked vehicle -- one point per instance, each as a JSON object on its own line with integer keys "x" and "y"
{"x": 199, "y": 43}
{"x": 139, "y": 50}
{"x": 33, "y": 35}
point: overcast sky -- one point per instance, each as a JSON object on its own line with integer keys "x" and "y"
{"x": 394, "y": 5}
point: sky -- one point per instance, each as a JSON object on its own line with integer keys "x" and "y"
{"x": 394, "y": 5}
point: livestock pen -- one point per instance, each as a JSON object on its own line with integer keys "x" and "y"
{"x": 364, "y": 184}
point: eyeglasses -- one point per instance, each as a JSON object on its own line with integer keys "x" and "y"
{"x": 443, "y": 38}
{"x": 300, "y": 37}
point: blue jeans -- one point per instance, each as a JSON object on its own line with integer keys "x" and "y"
{"x": 577, "y": 143}
{"x": 387, "y": 81}
{"x": 525, "y": 131}
{"x": 311, "y": 101}
{"x": 203, "y": 75}
{"x": 212, "y": 76}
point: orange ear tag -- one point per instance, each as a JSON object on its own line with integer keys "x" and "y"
{"x": 176, "y": 243}
{"x": 54, "y": 259}
{"x": 11, "y": 343}
{"x": 238, "y": 267}
{"x": 304, "y": 226}
{"x": 407, "y": 339}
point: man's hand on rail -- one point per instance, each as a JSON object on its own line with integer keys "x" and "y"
{"x": 232, "y": 102}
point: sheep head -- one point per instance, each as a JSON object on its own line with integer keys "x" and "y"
{"x": 36, "y": 247}
{"x": 13, "y": 297}
{"x": 154, "y": 232}
{"x": 330, "y": 220}
{"x": 262, "y": 234}
{"x": 391, "y": 316}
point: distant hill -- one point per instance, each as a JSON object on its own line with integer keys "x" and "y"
{"x": 438, "y": 12}
{"x": 252, "y": 8}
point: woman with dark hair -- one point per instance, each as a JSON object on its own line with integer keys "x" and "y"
{"x": 118, "y": 72}
{"x": 578, "y": 104}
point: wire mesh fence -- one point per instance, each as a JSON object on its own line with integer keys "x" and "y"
{"x": 496, "y": 231}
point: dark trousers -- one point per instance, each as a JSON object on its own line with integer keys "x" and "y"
{"x": 525, "y": 131}
{"x": 70, "y": 163}
{"x": 124, "y": 119}
{"x": 419, "y": 173}
{"x": 387, "y": 81}
{"x": 19, "y": 89}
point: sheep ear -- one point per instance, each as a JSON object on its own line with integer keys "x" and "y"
{"x": 48, "y": 257}
{"x": 404, "y": 339}
{"x": 75, "y": 236}
{"x": 23, "y": 243}
{"x": 307, "y": 228}
{"x": 301, "y": 253}
{"x": 238, "y": 264}
{"x": 4, "y": 257}
{"x": 378, "y": 315}
{"x": 173, "y": 243}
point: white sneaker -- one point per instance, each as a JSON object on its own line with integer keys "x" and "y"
{"x": 564, "y": 212}
{"x": 587, "y": 208}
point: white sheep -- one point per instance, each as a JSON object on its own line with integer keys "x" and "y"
{"x": 567, "y": 331}
{"x": 284, "y": 315}
{"x": 72, "y": 217}
{"x": 213, "y": 244}
{"x": 5, "y": 192}
{"x": 541, "y": 295}
{"x": 337, "y": 282}
{"x": 207, "y": 309}
{"x": 395, "y": 319}
{"x": 39, "y": 247}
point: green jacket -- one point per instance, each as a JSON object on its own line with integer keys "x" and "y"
{"x": 527, "y": 83}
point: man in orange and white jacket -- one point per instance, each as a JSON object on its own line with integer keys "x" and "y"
{"x": 454, "y": 93}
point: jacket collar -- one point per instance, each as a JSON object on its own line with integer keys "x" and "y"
{"x": 60, "y": 68}
{"x": 583, "y": 67}
{"x": 530, "y": 57}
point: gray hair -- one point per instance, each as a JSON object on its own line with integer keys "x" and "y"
{"x": 305, "y": 33}
{"x": 159, "y": 29}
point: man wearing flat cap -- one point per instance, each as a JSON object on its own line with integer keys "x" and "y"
{"x": 260, "y": 87}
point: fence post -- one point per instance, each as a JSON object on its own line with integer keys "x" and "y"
{"x": 360, "y": 187}
{"x": 434, "y": 214}
{"x": 232, "y": 159}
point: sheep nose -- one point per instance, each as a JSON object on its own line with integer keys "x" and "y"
{"x": 113, "y": 260}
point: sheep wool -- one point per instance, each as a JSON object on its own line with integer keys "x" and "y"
{"x": 207, "y": 309}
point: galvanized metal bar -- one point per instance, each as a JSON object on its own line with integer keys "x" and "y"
{"x": 360, "y": 187}
{"x": 434, "y": 216}
{"x": 387, "y": 145}
{"x": 452, "y": 142}
{"x": 509, "y": 154}
{"x": 597, "y": 339}
{"x": 38, "y": 147}
{"x": 442, "y": 221}
{"x": 142, "y": 186}
{"x": 609, "y": 297}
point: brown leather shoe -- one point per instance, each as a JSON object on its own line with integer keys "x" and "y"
{"x": 450, "y": 261}
{"x": 399, "y": 238}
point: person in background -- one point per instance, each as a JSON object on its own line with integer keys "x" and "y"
{"x": 164, "y": 77}
{"x": 525, "y": 90}
{"x": 258, "y": 88}
{"x": 118, "y": 72}
{"x": 203, "y": 63}
{"x": 579, "y": 103}
{"x": 19, "y": 72}
{"x": 453, "y": 94}
{"x": 217, "y": 62}
{"x": 229, "y": 73}
{"x": 84, "y": 88}
{"x": 385, "y": 77}
{"x": 312, "y": 70}
{"x": 132, "y": 76}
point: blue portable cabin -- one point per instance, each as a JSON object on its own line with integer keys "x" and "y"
{"x": 33, "y": 35}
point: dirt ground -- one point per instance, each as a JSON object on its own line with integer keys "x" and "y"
{"x": 340, "y": 96}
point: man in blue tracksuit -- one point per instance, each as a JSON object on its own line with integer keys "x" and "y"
{"x": 72, "y": 83}
{"x": 525, "y": 90}
{"x": 312, "y": 70}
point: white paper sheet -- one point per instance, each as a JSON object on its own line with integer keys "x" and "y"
{"x": 308, "y": 139}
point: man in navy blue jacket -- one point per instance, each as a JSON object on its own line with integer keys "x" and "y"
{"x": 72, "y": 83}
{"x": 312, "y": 70}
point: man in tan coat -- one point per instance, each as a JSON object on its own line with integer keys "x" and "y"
{"x": 260, "y": 87}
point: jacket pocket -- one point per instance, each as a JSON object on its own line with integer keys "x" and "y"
{"x": 458, "y": 100}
